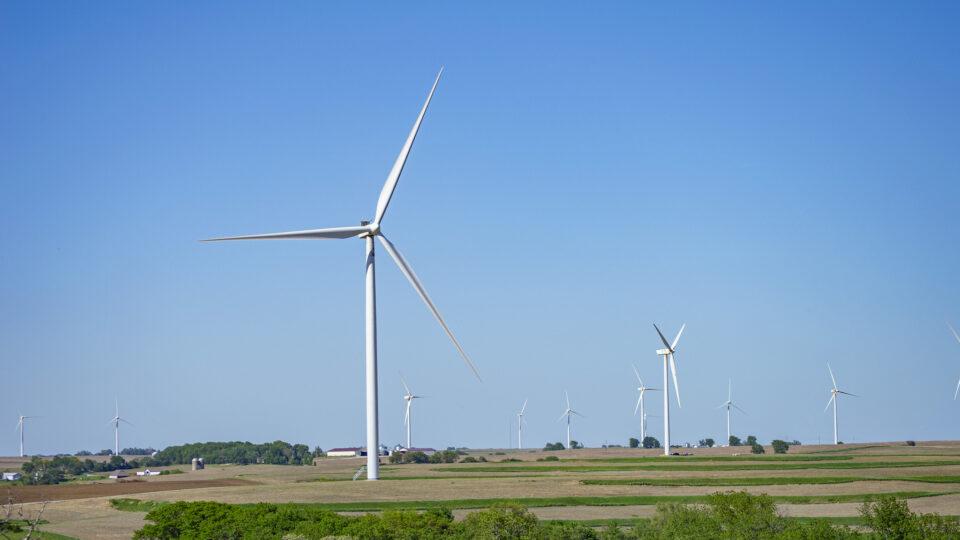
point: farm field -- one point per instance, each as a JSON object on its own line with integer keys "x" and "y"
{"x": 586, "y": 484}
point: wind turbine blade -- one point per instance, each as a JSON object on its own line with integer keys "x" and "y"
{"x": 125, "y": 422}
{"x": 832, "y": 378}
{"x": 405, "y": 387}
{"x": 951, "y": 328}
{"x": 673, "y": 371}
{"x": 576, "y": 413}
{"x": 676, "y": 339}
{"x": 738, "y": 408}
{"x": 637, "y": 374}
{"x": 568, "y": 399}
{"x": 337, "y": 232}
{"x": 829, "y": 401}
{"x": 847, "y": 393}
{"x": 652, "y": 389}
{"x": 561, "y": 416}
{"x": 391, "y": 184}
{"x": 412, "y": 277}
{"x": 957, "y": 390}
{"x": 722, "y": 405}
{"x": 523, "y": 408}
{"x": 637, "y": 408}
{"x": 663, "y": 339}
{"x": 729, "y": 389}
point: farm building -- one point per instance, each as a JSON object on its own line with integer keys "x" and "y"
{"x": 119, "y": 474}
{"x": 10, "y": 476}
{"x": 427, "y": 451}
{"x": 347, "y": 452}
{"x": 148, "y": 472}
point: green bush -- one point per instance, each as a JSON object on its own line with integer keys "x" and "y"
{"x": 911, "y": 443}
{"x": 751, "y": 440}
{"x": 650, "y": 442}
{"x": 549, "y": 458}
{"x": 734, "y": 441}
{"x": 757, "y": 449}
{"x": 780, "y": 447}
{"x": 634, "y": 442}
{"x": 554, "y": 446}
{"x": 890, "y": 517}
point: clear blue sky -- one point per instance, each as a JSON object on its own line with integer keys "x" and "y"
{"x": 782, "y": 178}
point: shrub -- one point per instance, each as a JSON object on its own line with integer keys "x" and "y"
{"x": 634, "y": 442}
{"x": 554, "y": 446}
{"x": 751, "y": 440}
{"x": 911, "y": 443}
{"x": 444, "y": 456}
{"x": 734, "y": 441}
{"x": 650, "y": 442}
{"x": 890, "y": 517}
{"x": 780, "y": 447}
{"x": 549, "y": 458}
{"x": 757, "y": 449}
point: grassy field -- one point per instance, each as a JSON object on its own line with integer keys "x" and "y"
{"x": 594, "y": 486}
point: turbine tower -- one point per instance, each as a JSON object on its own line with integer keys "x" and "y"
{"x": 668, "y": 355}
{"x": 406, "y": 419}
{"x": 568, "y": 413}
{"x": 643, "y": 416}
{"x": 368, "y": 231}
{"x": 520, "y": 422}
{"x": 955, "y": 392}
{"x": 116, "y": 424}
{"x": 729, "y": 404}
{"x": 833, "y": 398}
{"x": 20, "y": 427}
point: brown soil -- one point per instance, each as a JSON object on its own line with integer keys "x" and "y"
{"x": 27, "y": 494}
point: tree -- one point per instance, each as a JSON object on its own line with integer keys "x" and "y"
{"x": 734, "y": 441}
{"x": 634, "y": 442}
{"x": 779, "y": 447}
{"x": 751, "y": 440}
{"x": 554, "y": 446}
{"x": 706, "y": 442}
{"x": 575, "y": 444}
{"x": 650, "y": 442}
{"x": 757, "y": 449}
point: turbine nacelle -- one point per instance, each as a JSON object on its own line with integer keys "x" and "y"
{"x": 663, "y": 352}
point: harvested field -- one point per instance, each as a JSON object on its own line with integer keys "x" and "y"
{"x": 93, "y": 490}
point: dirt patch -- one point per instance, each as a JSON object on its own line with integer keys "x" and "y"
{"x": 28, "y": 494}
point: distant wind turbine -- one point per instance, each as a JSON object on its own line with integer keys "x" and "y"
{"x": 116, "y": 424}
{"x": 643, "y": 416}
{"x": 520, "y": 422}
{"x": 569, "y": 412}
{"x": 667, "y": 354}
{"x": 958, "y": 339}
{"x": 368, "y": 231}
{"x": 20, "y": 427}
{"x": 729, "y": 404}
{"x": 406, "y": 419}
{"x": 833, "y": 398}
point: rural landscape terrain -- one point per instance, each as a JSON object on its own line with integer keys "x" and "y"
{"x": 596, "y": 486}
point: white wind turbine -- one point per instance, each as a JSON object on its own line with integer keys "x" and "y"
{"x": 643, "y": 416}
{"x": 116, "y": 425}
{"x": 406, "y": 419}
{"x": 958, "y": 339}
{"x": 729, "y": 404}
{"x": 668, "y": 355}
{"x": 520, "y": 422}
{"x": 568, "y": 413}
{"x": 833, "y": 398}
{"x": 368, "y": 231}
{"x": 20, "y": 427}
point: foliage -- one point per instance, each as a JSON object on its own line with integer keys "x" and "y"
{"x": 575, "y": 444}
{"x": 634, "y": 442}
{"x": 55, "y": 470}
{"x": 650, "y": 442}
{"x": 549, "y": 458}
{"x": 751, "y": 440}
{"x": 240, "y": 453}
{"x": 911, "y": 443}
{"x": 472, "y": 459}
{"x": 757, "y": 449}
{"x": 409, "y": 457}
{"x": 734, "y": 441}
{"x": 444, "y": 456}
{"x": 891, "y": 518}
{"x": 779, "y": 447}
{"x": 707, "y": 442}
{"x": 554, "y": 446}
{"x": 137, "y": 451}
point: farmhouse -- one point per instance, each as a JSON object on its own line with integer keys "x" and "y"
{"x": 10, "y": 476}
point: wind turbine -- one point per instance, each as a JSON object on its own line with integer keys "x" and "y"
{"x": 409, "y": 397}
{"x": 520, "y": 422}
{"x": 955, "y": 392}
{"x": 568, "y": 413}
{"x": 833, "y": 398}
{"x": 643, "y": 416}
{"x": 20, "y": 427}
{"x": 116, "y": 424}
{"x": 729, "y": 404}
{"x": 368, "y": 231}
{"x": 668, "y": 355}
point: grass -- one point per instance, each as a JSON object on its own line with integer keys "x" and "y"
{"x": 47, "y": 535}
{"x": 748, "y": 457}
{"x": 851, "y": 521}
{"x": 738, "y": 467}
{"x": 135, "y": 505}
{"x": 771, "y": 481}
